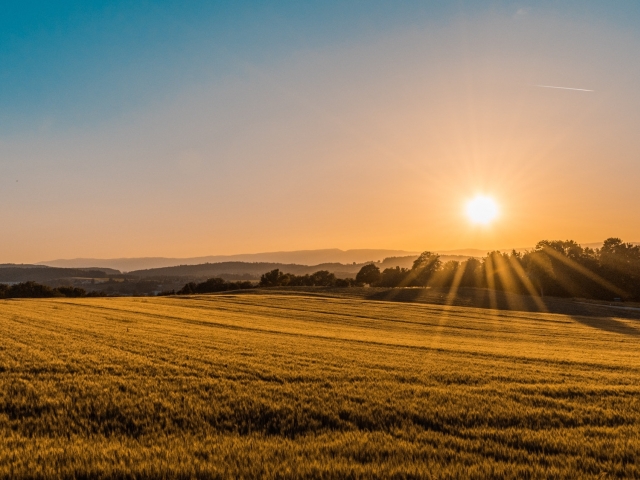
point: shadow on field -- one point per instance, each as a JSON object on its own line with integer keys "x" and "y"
{"x": 478, "y": 298}
{"x": 608, "y": 324}
{"x": 591, "y": 315}
{"x": 483, "y": 298}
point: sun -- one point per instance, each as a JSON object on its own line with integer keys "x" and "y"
{"x": 482, "y": 210}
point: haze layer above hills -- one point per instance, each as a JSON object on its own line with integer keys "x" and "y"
{"x": 299, "y": 257}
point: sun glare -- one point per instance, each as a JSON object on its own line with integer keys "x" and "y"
{"x": 482, "y": 210}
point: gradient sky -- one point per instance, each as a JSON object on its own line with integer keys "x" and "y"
{"x": 194, "y": 128}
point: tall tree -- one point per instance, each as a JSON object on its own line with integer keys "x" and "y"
{"x": 424, "y": 267}
{"x": 369, "y": 274}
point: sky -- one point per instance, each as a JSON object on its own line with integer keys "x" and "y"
{"x": 184, "y": 129}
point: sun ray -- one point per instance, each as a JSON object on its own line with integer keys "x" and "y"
{"x": 584, "y": 271}
{"x": 446, "y": 311}
{"x": 528, "y": 284}
{"x": 509, "y": 283}
{"x": 491, "y": 284}
{"x": 565, "y": 281}
{"x": 455, "y": 284}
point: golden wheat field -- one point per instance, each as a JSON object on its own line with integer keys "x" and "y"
{"x": 300, "y": 385}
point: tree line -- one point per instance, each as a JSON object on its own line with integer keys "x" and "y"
{"x": 273, "y": 278}
{"x": 556, "y": 268}
{"x": 211, "y": 285}
{"x": 37, "y": 290}
{"x": 321, "y": 278}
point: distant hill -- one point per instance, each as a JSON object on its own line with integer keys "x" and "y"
{"x": 19, "y": 265}
{"x": 252, "y": 269}
{"x": 300, "y": 257}
{"x": 255, "y": 269}
{"x": 38, "y": 273}
{"x": 10, "y": 273}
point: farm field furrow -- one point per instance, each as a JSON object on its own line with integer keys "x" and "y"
{"x": 288, "y": 386}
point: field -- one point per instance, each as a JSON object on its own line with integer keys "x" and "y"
{"x": 293, "y": 385}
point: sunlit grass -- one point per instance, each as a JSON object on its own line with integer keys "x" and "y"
{"x": 298, "y": 385}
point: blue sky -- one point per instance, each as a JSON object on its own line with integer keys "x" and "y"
{"x": 86, "y": 61}
{"x": 202, "y": 128}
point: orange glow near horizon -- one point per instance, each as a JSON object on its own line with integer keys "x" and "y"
{"x": 376, "y": 143}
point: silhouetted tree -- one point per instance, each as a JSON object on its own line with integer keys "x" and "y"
{"x": 37, "y": 290}
{"x": 424, "y": 267}
{"x": 563, "y": 268}
{"x": 323, "y": 278}
{"x": 446, "y": 275}
{"x": 188, "y": 289}
{"x": 296, "y": 280}
{"x": 273, "y": 278}
{"x": 211, "y": 285}
{"x": 369, "y": 274}
{"x": 394, "y": 277}
{"x": 74, "y": 292}
{"x": 345, "y": 282}
{"x": 97, "y": 293}
{"x": 620, "y": 264}
{"x": 472, "y": 273}
{"x": 32, "y": 290}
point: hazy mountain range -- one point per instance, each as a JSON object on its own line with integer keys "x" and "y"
{"x": 175, "y": 276}
{"x": 145, "y": 275}
{"x": 299, "y": 257}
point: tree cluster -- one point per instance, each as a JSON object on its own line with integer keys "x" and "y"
{"x": 321, "y": 278}
{"x": 37, "y": 290}
{"x": 557, "y": 268}
{"x": 212, "y": 285}
{"x": 419, "y": 275}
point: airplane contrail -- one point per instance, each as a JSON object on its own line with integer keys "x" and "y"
{"x": 565, "y": 88}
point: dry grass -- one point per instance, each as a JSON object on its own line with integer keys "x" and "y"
{"x": 288, "y": 386}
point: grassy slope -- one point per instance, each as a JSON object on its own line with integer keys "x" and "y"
{"x": 300, "y": 385}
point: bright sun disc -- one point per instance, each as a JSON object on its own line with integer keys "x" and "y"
{"x": 482, "y": 210}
